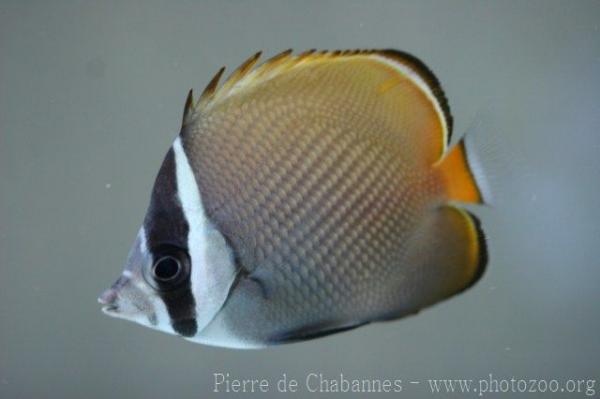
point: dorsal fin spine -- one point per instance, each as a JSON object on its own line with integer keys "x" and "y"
{"x": 238, "y": 75}
{"x": 209, "y": 92}
{"x": 247, "y": 73}
{"x": 188, "y": 109}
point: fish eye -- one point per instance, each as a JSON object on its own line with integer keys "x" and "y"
{"x": 166, "y": 269}
{"x": 170, "y": 269}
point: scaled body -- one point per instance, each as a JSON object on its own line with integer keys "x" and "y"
{"x": 311, "y": 195}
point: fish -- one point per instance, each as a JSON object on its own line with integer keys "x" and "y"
{"x": 306, "y": 195}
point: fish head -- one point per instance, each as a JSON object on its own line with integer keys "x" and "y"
{"x": 180, "y": 268}
{"x": 138, "y": 293}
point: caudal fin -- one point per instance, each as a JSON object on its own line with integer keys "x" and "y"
{"x": 462, "y": 176}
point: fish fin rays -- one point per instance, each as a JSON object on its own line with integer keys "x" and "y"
{"x": 188, "y": 109}
{"x": 447, "y": 255}
{"x": 314, "y": 331}
{"x": 210, "y": 90}
{"x": 428, "y": 77}
{"x": 245, "y": 75}
{"x": 396, "y": 65}
{"x": 239, "y": 74}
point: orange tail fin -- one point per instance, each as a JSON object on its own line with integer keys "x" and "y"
{"x": 461, "y": 176}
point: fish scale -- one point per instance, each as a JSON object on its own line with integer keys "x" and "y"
{"x": 339, "y": 175}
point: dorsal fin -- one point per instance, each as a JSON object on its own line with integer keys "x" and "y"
{"x": 239, "y": 73}
{"x": 209, "y": 91}
{"x": 272, "y": 63}
{"x": 432, "y": 82}
{"x": 188, "y": 108}
{"x": 305, "y": 54}
{"x": 247, "y": 76}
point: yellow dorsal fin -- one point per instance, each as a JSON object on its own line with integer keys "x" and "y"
{"x": 430, "y": 82}
{"x": 305, "y": 54}
{"x": 400, "y": 64}
{"x": 209, "y": 91}
{"x": 272, "y": 62}
{"x": 238, "y": 74}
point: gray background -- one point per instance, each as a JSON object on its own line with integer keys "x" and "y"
{"x": 91, "y": 95}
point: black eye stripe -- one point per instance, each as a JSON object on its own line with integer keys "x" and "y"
{"x": 165, "y": 223}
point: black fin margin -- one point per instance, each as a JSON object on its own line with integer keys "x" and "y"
{"x": 429, "y": 77}
{"x": 312, "y": 332}
{"x": 483, "y": 251}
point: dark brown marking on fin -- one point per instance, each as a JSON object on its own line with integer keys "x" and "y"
{"x": 240, "y": 72}
{"x": 246, "y": 65}
{"x": 210, "y": 89}
{"x": 274, "y": 62}
{"x": 279, "y": 56}
{"x": 395, "y": 316}
{"x": 427, "y": 75}
{"x": 188, "y": 109}
{"x": 306, "y": 53}
{"x": 312, "y": 332}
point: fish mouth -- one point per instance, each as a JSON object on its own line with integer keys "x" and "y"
{"x": 110, "y": 309}
{"x": 108, "y": 300}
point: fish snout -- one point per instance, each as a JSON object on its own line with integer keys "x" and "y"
{"x": 108, "y": 300}
{"x": 109, "y": 297}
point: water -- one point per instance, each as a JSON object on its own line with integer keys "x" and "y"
{"x": 91, "y": 96}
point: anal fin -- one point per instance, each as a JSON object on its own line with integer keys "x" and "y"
{"x": 445, "y": 256}
{"x": 314, "y": 331}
